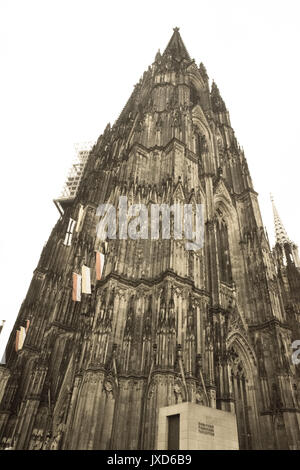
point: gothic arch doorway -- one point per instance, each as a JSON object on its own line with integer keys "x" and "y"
{"x": 242, "y": 391}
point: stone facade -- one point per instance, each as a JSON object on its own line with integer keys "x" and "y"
{"x": 164, "y": 325}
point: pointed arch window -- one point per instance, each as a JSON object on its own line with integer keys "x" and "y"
{"x": 223, "y": 250}
{"x": 194, "y": 96}
{"x": 240, "y": 392}
{"x": 198, "y": 143}
{"x": 200, "y": 146}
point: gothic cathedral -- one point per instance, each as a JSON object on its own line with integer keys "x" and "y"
{"x": 112, "y": 330}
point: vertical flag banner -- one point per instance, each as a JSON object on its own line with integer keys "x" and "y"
{"x": 17, "y": 340}
{"x": 86, "y": 280}
{"x": 99, "y": 265}
{"x": 22, "y": 337}
{"x": 80, "y": 218}
{"x": 76, "y": 292}
{"x": 69, "y": 234}
{"x": 27, "y": 325}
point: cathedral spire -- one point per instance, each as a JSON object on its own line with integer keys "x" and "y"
{"x": 176, "y": 46}
{"x": 280, "y": 232}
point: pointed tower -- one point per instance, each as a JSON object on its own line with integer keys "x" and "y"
{"x": 288, "y": 267}
{"x": 282, "y": 238}
{"x": 120, "y": 321}
{"x": 281, "y": 235}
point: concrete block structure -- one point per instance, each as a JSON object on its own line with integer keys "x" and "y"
{"x": 200, "y": 428}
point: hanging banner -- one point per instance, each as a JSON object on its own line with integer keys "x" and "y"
{"x": 17, "y": 340}
{"x": 20, "y": 338}
{"x": 80, "y": 218}
{"x": 76, "y": 292}
{"x": 86, "y": 280}
{"x": 99, "y": 265}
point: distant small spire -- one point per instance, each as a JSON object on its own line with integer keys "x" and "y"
{"x": 280, "y": 232}
{"x": 158, "y": 56}
{"x": 218, "y": 103}
{"x": 203, "y": 71}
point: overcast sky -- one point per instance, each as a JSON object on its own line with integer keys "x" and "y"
{"x": 68, "y": 68}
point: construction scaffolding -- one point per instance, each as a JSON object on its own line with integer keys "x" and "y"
{"x": 82, "y": 151}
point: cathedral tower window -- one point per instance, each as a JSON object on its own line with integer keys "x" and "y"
{"x": 194, "y": 95}
{"x": 223, "y": 250}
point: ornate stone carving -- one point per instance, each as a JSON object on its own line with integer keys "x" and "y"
{"x": 108, "y": 387}
{"x": 200, "y": 397}
{"x": 177, "y": 392}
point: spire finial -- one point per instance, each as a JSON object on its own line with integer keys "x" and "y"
{"x": 176, "y": 46}
{"x": 280, "y": 232}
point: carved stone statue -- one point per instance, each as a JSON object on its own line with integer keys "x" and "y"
{"x": 47, "y": 441}
{"x": 178, "y": 393}
{"x": 203, "y": 144}
{"x": 200, "y": 397}
{"x": 55, "y": 445}
{"x": 108, "y": 387}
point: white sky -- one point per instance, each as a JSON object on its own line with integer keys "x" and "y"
{"x": 68, "y": 68}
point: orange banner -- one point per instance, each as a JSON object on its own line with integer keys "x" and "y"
{"x": 99, "y": 265}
